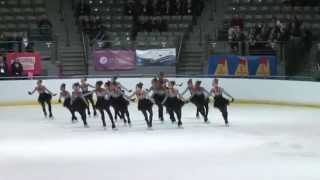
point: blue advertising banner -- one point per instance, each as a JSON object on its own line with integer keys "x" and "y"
{"x": 242, "y": 65}
{"x": 156, "y": 57}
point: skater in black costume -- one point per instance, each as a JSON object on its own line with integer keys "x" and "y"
{"x": 190, "y": 88}
{"x": 45, "y": 97}
{"x": 67, "y": 101}
{"x": 120, "y": 102}
{"x": 199, "y": 98}
{"x": 219, "y": 101}
{"x": 145, "y": 103}
{"x": 89, "y": 98}
{"x": 79, "y": 103}
{"x": 173, "y": 102}
{"x": 102, "y": 103}
{"x": 123, "y": 89}
{"x": 159, "y": 93}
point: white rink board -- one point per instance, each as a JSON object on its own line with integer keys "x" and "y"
{"x": 298, "y": 92}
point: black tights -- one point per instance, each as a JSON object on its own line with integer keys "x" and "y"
{"x": 206, "y": 109}
{"x": 43, "y": 105}
{"x": 145, "y": 114}
{"x": 160, "y": 111}
{"x": 90, "y": 99}
{"x": 83, "y": 116}
{"x": 73, "y": 116}
{"x": 224, "y": 111}
{"x": 110, "y": 117}
{"x": 176, "y": 111}
{"x": 203, "y": 112}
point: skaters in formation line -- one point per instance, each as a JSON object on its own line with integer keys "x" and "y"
{"x": 112, "y": 94}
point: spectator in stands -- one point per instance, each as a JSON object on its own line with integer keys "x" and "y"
{"x": 3, "y": 67}
{"x": 177, "y": 7}
{"x": 45, "y": 27}
{"x": 146, "y": 8}
{"x": 16, "y": 68}
{"x": 129, "y": 8}
{"x": 82, "y": 9}
{"x": 167, "y": 10}
{"x": 237, "y": 20}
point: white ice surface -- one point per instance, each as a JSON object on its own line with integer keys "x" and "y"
{"x": 263, "y": 143}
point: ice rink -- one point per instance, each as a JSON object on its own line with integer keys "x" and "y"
{"x": 263, "y": 143}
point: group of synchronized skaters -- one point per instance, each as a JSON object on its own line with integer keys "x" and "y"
{"x": 112, "y": 95}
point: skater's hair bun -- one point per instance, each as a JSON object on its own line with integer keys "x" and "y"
{"x": 139, "y": 85}
{"x": 198, "y": 82}
{"x": 76, "y": 85}
{"x": 161, "y": 73}
{"x": 189, "y": 81}
{"x": 39, "y": 81}
{"x": 107, "y": 83}
{"x": 154, "y": 80}
{"x": 99, "y": 83}
{"x": 63, "y": 85}
{"x": 114, "y": 78}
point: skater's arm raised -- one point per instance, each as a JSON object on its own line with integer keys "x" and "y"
{"x": 133, "y": 94}
{"x": 31, "y": 92}
{"x": 165, "y": 98}
{"x": 226, "y": 93}
{"x": 46, "y": 89}
{"x": 89, "y": 93}
{"x": 205, "y": 91}
{"x": 89, "y": 85}
{"x": 185, "y": 91}
{"x": 124, "y": 88}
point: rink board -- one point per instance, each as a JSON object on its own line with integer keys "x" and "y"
{"x": 248, "y": 91}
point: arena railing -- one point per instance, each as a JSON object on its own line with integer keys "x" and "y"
{"x": 288, "y": 78}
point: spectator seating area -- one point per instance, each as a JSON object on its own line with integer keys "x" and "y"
{"x": 257, "y": 11}
{"x": 22, "y": 20}
{"x": 123, "y": 28}
{"x": 259, "y": 21}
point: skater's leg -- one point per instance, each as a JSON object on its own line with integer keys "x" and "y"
{"x": 128, "y": 115}
{"x": 84, "y": 117}
{"x": 110, "y": 117}
{"x": 144, "y": 112}
{"x": 171, "y": 114}
{"x": 178, "y": 113}
{"x": 224, "y": 111}
{"x": 201, "y": 109}
{"x": 88, "y": 107}
{"x": 49, "y": 107}
{"x": 160, "y": 111}
{"x": 103, "y": 117}
{"x": 206, "y": 107}
{"x": 93, "y": 105}
{"x": 150, "y": 116}
{"x": 43, "y": 106}
{"x": 197, "y": 114}
{"x": 73, "y": 116}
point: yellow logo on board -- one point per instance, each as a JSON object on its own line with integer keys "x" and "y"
{"x": 222, "y": 68}
{"x": 242, "y": 69}
{"x": 264, "y": 67}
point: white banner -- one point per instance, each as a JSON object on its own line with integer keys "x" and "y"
{"x": 156, "y": 57}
